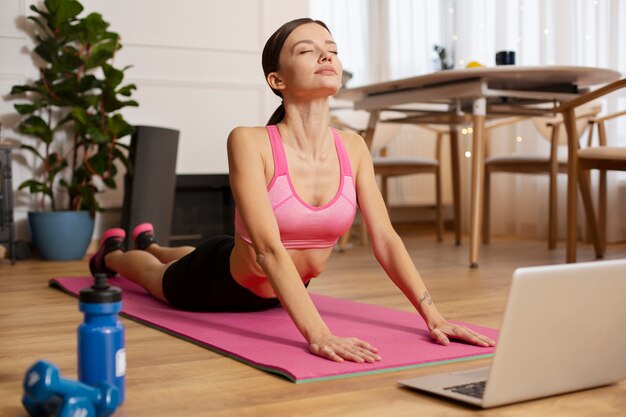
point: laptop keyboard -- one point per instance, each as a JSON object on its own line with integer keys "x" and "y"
{"x": 473, "y": 389}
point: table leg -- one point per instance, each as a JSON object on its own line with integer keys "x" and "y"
{"x": 572, "y": 185}
{"x": 371, "y": 127}
{"x": 456, "y": 179}
{"x": 479, "y": 111}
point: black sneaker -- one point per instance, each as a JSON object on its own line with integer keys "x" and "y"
{"x": 143, "y": 236}
{"x": 112, "y": 239}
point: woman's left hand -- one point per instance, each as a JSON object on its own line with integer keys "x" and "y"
{"x": 442, "y": 333}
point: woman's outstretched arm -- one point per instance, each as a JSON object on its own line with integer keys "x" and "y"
{"x": 392, "y": 255}
{"x": 247, "y": 177}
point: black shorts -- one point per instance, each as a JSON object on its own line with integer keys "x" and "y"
{"x": 201, "y": 281}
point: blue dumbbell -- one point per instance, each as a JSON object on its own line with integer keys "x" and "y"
{"x": 59, "y": 407}
{"x": 77, "y": 407}
{"x": 37, "y": 409}
{"x": 42, "y": 383}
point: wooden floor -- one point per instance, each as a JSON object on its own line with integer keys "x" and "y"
{"x": 170, "y": 377}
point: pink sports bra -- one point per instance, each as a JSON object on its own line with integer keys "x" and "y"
{"x": 301, "y": 225}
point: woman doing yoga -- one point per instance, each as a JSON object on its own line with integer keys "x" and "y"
{"x": 296, "y": 184}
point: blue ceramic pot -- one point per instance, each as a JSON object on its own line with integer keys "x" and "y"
{"x": 60, "y": 235}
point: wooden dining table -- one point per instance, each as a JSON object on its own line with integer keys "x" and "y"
{"x": 472, "y": 96}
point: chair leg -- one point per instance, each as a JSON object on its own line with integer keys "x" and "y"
{"x": 602, "y": 211}
{"x": 486, "y": 206}
{"x": 344, "y": 241}
{"x": 439, "y": 207}
{"x": 384, "y": 189}
{"x": 552, "y": 208}
{"x": 456, "y": 187}
{"x": 588, "y": 233}
{"x": 583, "y": 180}
{"x": 364, "y": 237}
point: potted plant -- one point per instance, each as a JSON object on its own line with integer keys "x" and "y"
{"x": 71, "y": 117}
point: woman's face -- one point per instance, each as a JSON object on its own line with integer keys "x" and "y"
{"x": 309, "y": 65}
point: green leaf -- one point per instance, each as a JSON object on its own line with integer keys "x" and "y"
{"x": 34, "y": 186}
{"x": 37, "y": 127}
{"x": 20, "y": 89}
{"x": 62, "y": 11}
{"x": 67, "y": 61}
{"x": 27, "y": 108}
{"x": 99, "y": 163}
{"x": 127, "y": 90}
{"x": 94, "y": 27}
{"x": 36, "y": 9}
{"x": 100, "y": 53}
{"x": 112, "y": 75}
{"x": 66, "y": 89}
{"x": 112, "y": 104}
{"x": 132, "y": 103}
{"x": 46, "y": 50}
{"x": 39, "y": 11}
{"x": 56, "y": 163}
{"x": 117, "y": 125}
{"x": 92, "y": 100}
{"x": 110, "y": 182}
{"x": 96, "y": 134}
{"x": 33, "y": 150}
{"x": 79, "y": 114}
{"x": 118, "y": 154}
{"x": 39, "y": 23}
{"x": 87, "y": 83}
{"x": 111, "y": 37}
{"x": 73, "y": 33}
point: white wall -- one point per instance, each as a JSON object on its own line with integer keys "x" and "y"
{"x": 196, "y": 63}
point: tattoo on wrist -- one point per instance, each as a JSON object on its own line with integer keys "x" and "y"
{"x": 426, "y": 297}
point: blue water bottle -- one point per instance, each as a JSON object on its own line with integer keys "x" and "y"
{"x": 101, "y": 352}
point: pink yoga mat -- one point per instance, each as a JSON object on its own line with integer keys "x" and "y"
{"x": 269, "y": 340}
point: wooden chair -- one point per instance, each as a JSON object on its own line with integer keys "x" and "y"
{"x": 583, "y": 160}
{"x": 391, "y": 166}
{"x": 602, "y": 158}
{"x": 387, "y": 167}
{"x": 552, "y": 129}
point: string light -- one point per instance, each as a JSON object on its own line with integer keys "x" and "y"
{"x": 546, "y": 32}
{"x": 455, "y": 37}
{"x": 519, "y": 139}
{"x": 451, "y": 10}
{"x": 464, "y": 131}
{"x": 470, "y": 130}
{"x": 461, "y": 62}
{"x": 468, "y": 154}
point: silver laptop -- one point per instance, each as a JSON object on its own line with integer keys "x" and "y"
{"x": 564, "y": 329}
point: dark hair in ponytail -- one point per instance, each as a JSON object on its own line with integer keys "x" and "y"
{"x": 277, "y": 116}
{"x": 271, "y": 53}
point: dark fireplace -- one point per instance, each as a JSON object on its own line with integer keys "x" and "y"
{"x": 203, "y": 207}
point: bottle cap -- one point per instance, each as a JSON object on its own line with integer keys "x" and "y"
{"x": 100, "y": 292}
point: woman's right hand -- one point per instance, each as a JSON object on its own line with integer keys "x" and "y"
{"x": 339, "y": 349}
